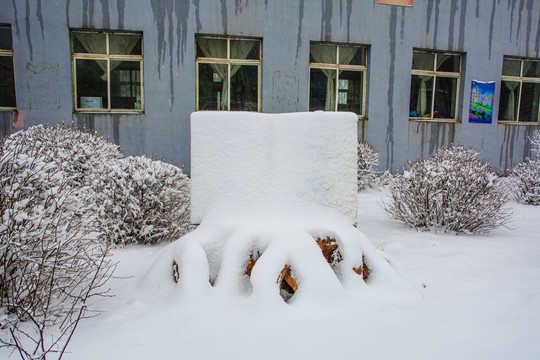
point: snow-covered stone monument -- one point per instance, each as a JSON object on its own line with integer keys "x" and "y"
{"x": 275, "y": 196}
{"x": 240, "y": 157}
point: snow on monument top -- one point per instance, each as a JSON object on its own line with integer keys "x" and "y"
{"x": 240, "y": 158}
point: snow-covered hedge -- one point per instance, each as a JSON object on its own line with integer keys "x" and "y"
{"x": 368, "y": 161}
{"x": 524, "y": 178}
{"x": 50, "y": 254}
{"x": 141, "y": 200}
{"x": 451, "y": 190}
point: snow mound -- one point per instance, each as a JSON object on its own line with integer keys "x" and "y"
{"x": 246, "y": 253}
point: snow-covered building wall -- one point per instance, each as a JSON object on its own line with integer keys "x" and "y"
{"x": 170, "y": 87}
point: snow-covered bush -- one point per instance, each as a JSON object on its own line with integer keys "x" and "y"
{"x": 368, "y": 161}
{"x": 524, "y": 181}
{"x": 524, "y": 178}
{"x": 535, "y": 144}
{"x": 451, "y": 190}
{"x": 77, "y": 153}
{"x": 141, "y": 200}
{"x": 51, "y": 260}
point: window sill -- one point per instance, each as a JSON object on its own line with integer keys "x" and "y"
{"x": 127, "y": 112}
{"x": 518, "y": 123}
{"x": 450, "y": 121}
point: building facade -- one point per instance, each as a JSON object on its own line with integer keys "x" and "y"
{"x": 134, "y": 71}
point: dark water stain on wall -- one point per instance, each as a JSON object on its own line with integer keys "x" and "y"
{"x": 529, "y": 25}
{"x": 300, "y": 20}
{"x": 462, "y": 24}
{"x": 507, "y": 147}
{"x": 181, "y": 9}
{"x": 197, "y": 14}
{"x": 349, "y": 13}
{"x": 492, "y": 25}
{"x": 224, "y": 16}
{"x": 428, "y": 16}
{"x": 106, "y": 15}
{"x": 537, "y": 46}
{"x": 17, "y": 30}
{"x": 39, "y": 15}
{"x": 402, "y": 25}
{"x": 28, "y": 30}
{"x": 451, "y": 23}
{"x": 520, "y": 11}
{"x": 340, "y": 13}
{"x": 326, "y": 20}
{"x": 390, "y": 126}
{"x": 121, "y": 8}
{"x": 67, "y": 12}
{"x": 477, "y": 13}
{"x": 512, "y": 8}
{"x": 159, "y": 14}
{"x": 436, "y": 26}
{"x": 170, "y": 39}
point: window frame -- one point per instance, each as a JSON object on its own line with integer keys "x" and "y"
{"x": 228, "y": 61}
{"x": 435, "y": 73}
{"x": 519, "y": 79}
{"x": 338, "y": 67}
{"x": 108, "y": 58}
{"x": 9, "y": 53}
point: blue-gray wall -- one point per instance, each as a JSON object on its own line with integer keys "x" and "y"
{"x": 484, "y": 30}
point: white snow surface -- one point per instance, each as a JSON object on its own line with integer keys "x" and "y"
{"x": 239, "y": 157}
{"x": 460, "y": 297}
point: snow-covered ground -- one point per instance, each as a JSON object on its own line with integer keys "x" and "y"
{"x": 477, "y": 297}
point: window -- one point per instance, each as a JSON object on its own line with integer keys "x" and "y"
{"x": 337, "y": 78}
{"x": 7, "y": 77}
{"x": 107, "y": 71}
{"x": 434, "y": 85}
{"x": 228, "y": 73}
{"x": 520, "y": 90}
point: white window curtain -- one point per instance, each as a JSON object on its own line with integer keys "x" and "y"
{"x": 240, "y": 50}
{"x": 94, "y": 45}
{"x": 510, "y": 105}
{"x": 322, "y": 54}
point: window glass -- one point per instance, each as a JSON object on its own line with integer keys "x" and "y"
{"x": 89, "y": 43}
{"x": 108, "y": 71}
{"x": 350, "y": 88}
{"x": 91, "y": 84}
{"x": 244, "y": 87}
{"x": 5, "y": 38}
{"x": 509, "y": 100}
{"x": 520, "y": 90}
{"x": 421, "y": 96}
{"x": 511, "y": 67}
{"x": 228, "y": 74}
{"x": 531, "y": 68}
{"x": 125, "y": 84}
{"x": 352, "y": 55}
{"x": 530, "y": 100}
{"x": 125, "y": 44}
{"x": 7, "y": 82}
{"x": 445, "y": 97}
{"x": 245, "y": 49}
{"x": 212, "y": 87}
{"x": 434, "y": 95}
{"x": 423, "y": 61}
{"x": 321, "y": 90}
{"x": 448, "y": 63}
{"x": 323, "y": 53}
{"x": 212, "y": 48}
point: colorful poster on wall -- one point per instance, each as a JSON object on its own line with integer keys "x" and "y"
{"x": 481, "y": 110}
